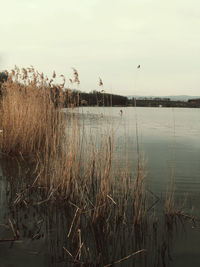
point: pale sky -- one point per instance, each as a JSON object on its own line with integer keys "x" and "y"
{"x": 107, "y": 38}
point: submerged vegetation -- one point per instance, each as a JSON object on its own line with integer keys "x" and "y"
{"x": 74, "y": 182}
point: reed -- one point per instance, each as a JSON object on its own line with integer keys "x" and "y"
{"x": 29, "y": 120}
{"x": 74, "y": 163}
{"x": 75, "y": 169}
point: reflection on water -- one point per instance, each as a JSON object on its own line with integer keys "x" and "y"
{"x": 44, "y": 235}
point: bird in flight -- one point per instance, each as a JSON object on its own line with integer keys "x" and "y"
{"x": 138, "y": 66}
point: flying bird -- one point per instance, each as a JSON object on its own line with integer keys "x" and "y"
{"x": 138, "y": 66}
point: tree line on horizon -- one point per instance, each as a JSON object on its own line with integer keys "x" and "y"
{"x": 94, "y": 98}
{"x": 73, "y": 98}
{"x": 76, "y": 98}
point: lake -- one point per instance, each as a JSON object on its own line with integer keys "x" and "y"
{"x": 168, "y": 139}
{"x": 169, "y": 148}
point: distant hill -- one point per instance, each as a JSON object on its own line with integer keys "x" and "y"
{"x": 172, "y": 97}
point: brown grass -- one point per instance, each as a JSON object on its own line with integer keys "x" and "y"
{"x": 74, "y": 164}
{"x": 28, "y": 118}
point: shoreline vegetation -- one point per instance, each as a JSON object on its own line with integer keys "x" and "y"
{"x": 76, "y": 98}
{"x": 99, "y": 208}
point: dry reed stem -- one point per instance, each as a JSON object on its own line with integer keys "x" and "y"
{"x": 28, "y": 115}
{"x": 69, "y": 253}
{"x": 73, "y": 163}
{"x": 15, "y": 232}
{"x": 126, "y": 258}
{"x": 70, "y": 229}
{"x": 78, "y": 255}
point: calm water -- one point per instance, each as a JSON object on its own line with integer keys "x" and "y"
{"x": 168, "y": 138}
{"x": 169, "y": 144}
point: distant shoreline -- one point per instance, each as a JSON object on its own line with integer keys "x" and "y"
{"x": 168, "y": 103}
{"x": 154, "y": 103}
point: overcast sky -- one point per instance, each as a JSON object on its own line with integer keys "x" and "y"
{"x": 107, "y": 38}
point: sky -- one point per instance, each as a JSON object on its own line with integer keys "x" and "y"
{"x": 107, "y": 39}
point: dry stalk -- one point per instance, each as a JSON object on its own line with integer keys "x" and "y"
{"x": 126, "y": 258}
{"x": 15, "y": 232}
{"x": 70, "y": 229}
{"x": 69, "y": 253}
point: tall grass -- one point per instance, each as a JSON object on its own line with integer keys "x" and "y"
{"x": 73, "y": 167}
{"x": 29, "y": 121}
{"x": 73, "y": 163}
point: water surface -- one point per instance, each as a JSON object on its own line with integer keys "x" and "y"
{"x": 169, "y": 148}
